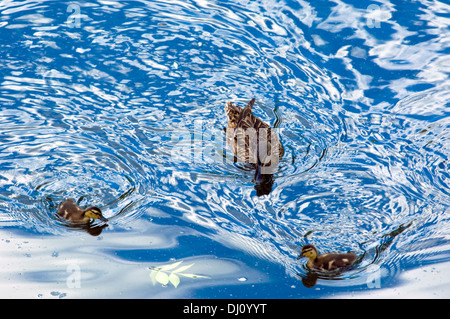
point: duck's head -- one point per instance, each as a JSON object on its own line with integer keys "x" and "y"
{"x": 95, "y": 213}
{"x": 309, "y": 251}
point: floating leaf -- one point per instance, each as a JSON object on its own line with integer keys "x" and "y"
{"x": 162, "y": 278}
{"x": 174, "y": 279}
{"x": 171, "y": 266}
{"x": 183, "y": 268}
{"x": 159, "y": 274}
{"x": 152, "y": 276}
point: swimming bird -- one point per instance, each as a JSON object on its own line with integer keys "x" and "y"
{"x": 326, "y": 262}
{"x": 253, "y": 142}
{"x": 75, "y": 214}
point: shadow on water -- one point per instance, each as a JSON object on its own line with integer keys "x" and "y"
{"x": 264, "y": 184}
{"x": 90, "y": 228}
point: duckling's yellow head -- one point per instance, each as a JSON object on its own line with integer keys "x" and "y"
{"x": 309, "y": 251}
{"x": 95, "y": 213}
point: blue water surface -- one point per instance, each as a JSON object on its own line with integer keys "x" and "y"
{"x": 120, "y": 104}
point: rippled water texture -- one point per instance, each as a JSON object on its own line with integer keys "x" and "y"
{"x": 121, "y": 105}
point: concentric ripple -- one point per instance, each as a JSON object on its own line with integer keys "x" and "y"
{"x": 58, "y": 155}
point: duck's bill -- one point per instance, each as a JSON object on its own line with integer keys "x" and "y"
{"x": 104, "y": 219}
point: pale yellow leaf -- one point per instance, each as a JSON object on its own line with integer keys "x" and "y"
{"x": 183, "y": 268}
{"x": 162, "y": 278}
{"x": 170, "y": 266}
{"x": 174, "y": 279}
{"x": 153, "y": 276}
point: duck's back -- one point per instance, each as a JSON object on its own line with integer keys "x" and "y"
{"x": 71, "y": 211}
{"x": 334, "y": 261}
{"x": 246, "y": 132}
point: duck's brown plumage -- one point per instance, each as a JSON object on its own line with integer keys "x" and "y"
{"x": 73, "y": 213}
{"x": 249, "y": 136}
{"x": 327, "y": 262}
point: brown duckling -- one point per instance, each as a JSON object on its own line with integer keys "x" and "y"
{"x": 326, "y": 262}
{"x": 253, "y": 141}
{"x": 75, "y": 214}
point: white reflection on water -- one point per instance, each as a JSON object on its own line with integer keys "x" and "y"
{"x": 86, "y": 267}
{"x": 424, "y": 282}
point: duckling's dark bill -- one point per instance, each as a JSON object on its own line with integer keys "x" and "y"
{"x": 103, "y": 219}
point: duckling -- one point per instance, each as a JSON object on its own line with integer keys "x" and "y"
{"x": 75, "y": 214}
{"x": 326, "y": 262}
{"x": 251, "y": 140}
